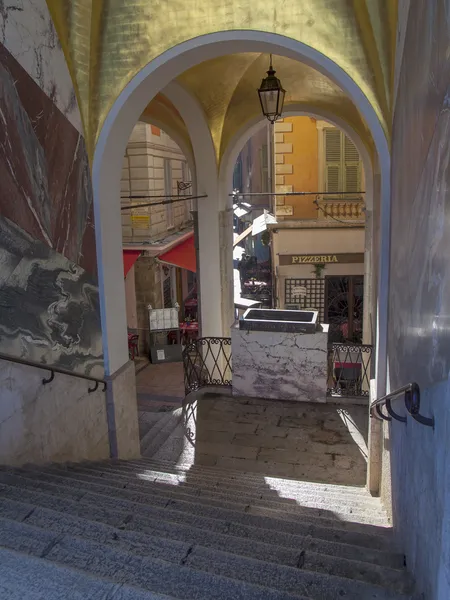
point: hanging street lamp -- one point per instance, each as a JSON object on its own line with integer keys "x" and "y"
{"x": 271, "y": 95}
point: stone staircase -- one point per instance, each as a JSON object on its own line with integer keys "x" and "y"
{"x": 146, "y": 530}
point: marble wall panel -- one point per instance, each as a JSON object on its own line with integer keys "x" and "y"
{"x": 419, "y": 297}
{"x": 419, "y": 342}
{"x": 281, "y": 366}
{"x": 49, "y": 306}
{"x": 424, "y": 76}
{"x": 27, "y": 31}
{"x": 419, "y": 316}
{"x": 58, "y": 422}
{"x": 44, "y": 170}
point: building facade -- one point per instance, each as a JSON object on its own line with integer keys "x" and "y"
{"x": 155, "y": 171}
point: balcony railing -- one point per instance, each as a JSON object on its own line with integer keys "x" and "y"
{"x": 341, "y": 208}
{"x": 349, "y": 370}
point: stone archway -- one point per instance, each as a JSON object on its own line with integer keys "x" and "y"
{"x": 127, "y": 109}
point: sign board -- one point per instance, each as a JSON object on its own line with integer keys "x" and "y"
{"x": 163, "y": 319}
{"x": 299, "y": 291}
{"x": 140, "y": 219}
{"x": 284, "y": 210}
{"x": 300, "y": 259}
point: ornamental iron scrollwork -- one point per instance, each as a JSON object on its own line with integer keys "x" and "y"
{"x": 206, "y": 363}
{"x": 349, "y": 370}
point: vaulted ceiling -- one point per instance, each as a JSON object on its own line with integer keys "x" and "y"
{"x": 107, "y": 42}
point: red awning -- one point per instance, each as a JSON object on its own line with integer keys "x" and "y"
{"x": 129, "y": 258}
{"x": 182, "y": 255}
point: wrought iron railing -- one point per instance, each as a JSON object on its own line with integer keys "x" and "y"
{"x": 349, "y": 370}
{"x": 207, "y": 362}
{"x": 411, "y": 393}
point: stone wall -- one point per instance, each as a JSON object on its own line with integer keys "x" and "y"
{"x": 49, "y": 291}
{"x": 419, "y": 303}
{"x": 56, "y": 422}
{"x": 49, "y": 300}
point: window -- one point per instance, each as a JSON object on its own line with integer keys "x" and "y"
{"x": 237, "y": 174}
{"x": 306, "y": 293}
{"x": 186, "y": 178}
{"x": 342, "y": 162}
{"x": 168, "y": 191}
{"x": 264, "y": 160}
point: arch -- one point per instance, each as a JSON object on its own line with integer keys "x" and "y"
{"x": 126, "y": 111}
{"x": 237, "y": 143}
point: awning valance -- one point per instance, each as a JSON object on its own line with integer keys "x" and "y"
{"x": 182, "y": 255}
{"x": 129, "y": 258}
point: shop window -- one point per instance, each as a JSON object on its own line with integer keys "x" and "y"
{"x": 305, "y": 293}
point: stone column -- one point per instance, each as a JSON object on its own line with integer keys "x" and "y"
{"x": 215, "y": 268}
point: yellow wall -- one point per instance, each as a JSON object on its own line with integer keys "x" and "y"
{"x": 296, "y": 164}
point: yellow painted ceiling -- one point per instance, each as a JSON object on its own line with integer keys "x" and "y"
{"x": 107, "y": 42}
{"x": 229, "y": 107}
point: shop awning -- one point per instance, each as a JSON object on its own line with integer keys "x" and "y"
{"x": 129, "y": 258}
{"x": 182, "y": 255}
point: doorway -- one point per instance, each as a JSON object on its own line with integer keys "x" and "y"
{"x": 344, "y": 297}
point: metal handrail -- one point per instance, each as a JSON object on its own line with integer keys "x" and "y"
{"x": 53, "y": 370}
{"x": 411, "y": 393}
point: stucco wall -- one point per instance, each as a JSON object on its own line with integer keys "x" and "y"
{"x": 419, "y": 300}
{"x": 296, "y": 163}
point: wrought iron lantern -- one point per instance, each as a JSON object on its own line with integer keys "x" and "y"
{"x": 271, "y": 95}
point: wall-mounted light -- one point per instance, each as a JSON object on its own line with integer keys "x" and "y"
{"x": 271, "y": 95}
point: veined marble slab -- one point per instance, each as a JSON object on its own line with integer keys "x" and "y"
{"x": 27, "y": 31}
{"x": 283, "y": 366}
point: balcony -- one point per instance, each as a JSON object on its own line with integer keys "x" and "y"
{"x": 341, "y": 208}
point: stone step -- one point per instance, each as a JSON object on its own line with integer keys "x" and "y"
{"x": 334, "y": 512}
{"x": 244, "y": 477}
{"x": 159, "y": 433}
{"x": 198, "y": 574}
{"x": 248, "y": 541}
{"x": 147, "y": 420}
{"x": 25, "y": 577}
{"x": 270, "y": 489}
{"x": 239, "y": 513}
{"x": 195, "y": 485}
{"x": 174, "y": 551}
{"x": 219, "y": 520}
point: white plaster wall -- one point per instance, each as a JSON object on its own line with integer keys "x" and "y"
{"x": 56, "y": 422}
{"x": 27, "y": 31}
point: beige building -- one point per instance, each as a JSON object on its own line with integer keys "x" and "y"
{"x": 153, "y": 167}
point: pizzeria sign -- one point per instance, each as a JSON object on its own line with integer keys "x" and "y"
{"x": 300, "y": 259}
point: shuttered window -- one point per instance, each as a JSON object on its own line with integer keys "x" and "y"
{"x": 168, "y": 191}
{"x": 342, "y": 162}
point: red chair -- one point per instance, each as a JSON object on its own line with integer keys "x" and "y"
{"x": 133, "y": 345}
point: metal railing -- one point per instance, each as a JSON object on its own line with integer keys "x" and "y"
{"x": 411, "y": 393}
{"x": 53, "y": 370}
{"x": 207, "y": 362}
{"x": 349, "y": 370}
